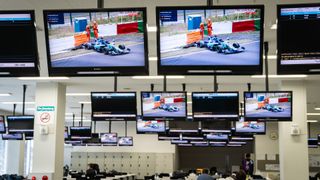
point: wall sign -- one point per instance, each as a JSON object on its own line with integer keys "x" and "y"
{"x": 45, "y": 114}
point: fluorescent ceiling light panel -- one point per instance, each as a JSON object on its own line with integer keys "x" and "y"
{"x": 280, "y": 76}
{"x": 157, "y": 77}
{"x": 312, "y": 121}
{"x": 78, "y": 94}
{"x": 5, "y": 94}
{"x": 17, "y": 102}
{"x": 42, "y": 78}
{"x": 313, "y": 114}
{"x": 84, "y": 102}
{"x": 317, "y": 109}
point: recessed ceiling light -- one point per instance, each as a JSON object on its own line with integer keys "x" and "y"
{"x": 17, "y": 102}
{"x": 312, "y": 121}
{"x": 157, "y": 77}
{"x": 313, "y": 114}
{"x": 279, "y": 76}
{"x": 317, "y": 109}
{"x": 42, "y": 78}
{"x": 5, "y": 94}
{"x": 84, "y": 102}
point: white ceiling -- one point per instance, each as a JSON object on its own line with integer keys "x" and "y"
{"x": 86, "y": 85}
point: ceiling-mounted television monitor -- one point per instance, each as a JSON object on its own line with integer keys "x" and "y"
{"x": 16, "y": 136}
{"x": 217, "y": 144}
{"x": 96, "y": 42}
{"x": 113, "y": 106}
{"x": 179, "y": 141}
{"x": 250, "y": 127}
{"x": 200, "y": 143}
{"x": 215, "y": 105}
{"x": 125, "y": 141}
{"x": 150, "y": 127}
{"x": 28, "y": 136}
{"x": 83, "y": 132}
{"x": 109, "y": 139}
{"x": 268, "y": 106}
{"x": 217, "y": 137}
{"x": 313, "y": 143}
{"x": 204, "y": 40}
{"x": 2, "y": 125}
{"x": 297, "y": 38}
{"x": 18, "y": 52}
{"x": 20, "y": 124}
{"x": 168, "y": 137}
{"x": 167, "y": 105}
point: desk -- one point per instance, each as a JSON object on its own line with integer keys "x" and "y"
{"x": 123, "y": 177}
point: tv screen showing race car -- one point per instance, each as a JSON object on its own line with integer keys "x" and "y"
{"x": 222, "y": 105}
{"x": 126, "y": 141}
{"x": 153, "y": 126}
{"x": 271, "y": 106}
{"x": 169, "y": 105}
{"x": 250, "y": 127}
{"x": 109, "y": 139}
{"x": 18, "y": 50}
{"x": 113, "y": 105}
{"x": 296, "y": 29}
{"x": 210, "y": 40}
{"x": 2, "y": 125}
{"x": 101, "y": 42}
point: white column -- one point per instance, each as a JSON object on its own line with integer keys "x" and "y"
{"x": 293, "y": 150}
{"x": 48, "y": 149}
{"x": 14, "y": 157}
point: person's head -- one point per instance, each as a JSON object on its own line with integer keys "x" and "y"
{"x": 205, "y": 171}
{"x": 213, "y": 170}
{"x": 248, "y": 156}
{"x": 241, "y": 175}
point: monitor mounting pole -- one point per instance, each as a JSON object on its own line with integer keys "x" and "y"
{"x": 94, "y": 126}
{"x": 164, "y": 83}
{"x": 100, "y": 4}
{"x": 152, "y": 87}
{"x": 241, "y": 106}
{"x": 209, "y": 3}
{"x": 110, "y": 126}
{"x": 115, "y": 85}
{"x": 73, "y": 118}
{"x": 266, "y": 51}
{"x": 24, "y": 99}
{"x": 14, "y": 109}
{"x": 81, "y": 114}
{"x": 249, "y": 87}
{"x": 184, "y": 87}
{"x": 126, "y": 129}
{"x": 215, "y": 83}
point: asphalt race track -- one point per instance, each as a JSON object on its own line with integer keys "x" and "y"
{"x": 266, "y": 113}
{"x": 95, "y": 59}
{"x": 206, "y": 57}
{"x": 163, "y": 113}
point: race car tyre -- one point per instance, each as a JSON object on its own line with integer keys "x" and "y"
{"x": 122, "y": 47}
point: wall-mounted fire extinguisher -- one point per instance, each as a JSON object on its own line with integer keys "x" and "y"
{"x": 33, "y": 178}
{"x": 45, "y": 177}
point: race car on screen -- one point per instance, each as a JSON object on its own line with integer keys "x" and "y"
{"x": 212, "y": 43}
{"x": 103, "y": 46}
{"x": 151, "y": 125}
{"x": 251, "y": 125}
{"x": 273, "y": 108}
{"x": 169, "y": 108}
{"x": 228, "y": 48}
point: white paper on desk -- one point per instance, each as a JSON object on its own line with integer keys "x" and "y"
{"x": 260, "y": 157}
{"x": 272, "y": 167}
{"x": 271, "y": 157}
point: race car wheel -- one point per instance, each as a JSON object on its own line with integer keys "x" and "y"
{"x": 122, "y": 47}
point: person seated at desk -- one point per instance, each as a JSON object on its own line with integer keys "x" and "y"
{"x": 205, "y": 175}
{"x": 91, "y": 172}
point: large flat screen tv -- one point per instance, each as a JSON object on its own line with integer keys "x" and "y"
{"x": 2, "y": 125}
{"x": 268, "y": 106}
{"x": 150, "y": 126}
{"x": 297, "y": 39}
{"x": 125, "y": 141}
{"x": 20, "y": 124}
{"x": 78, "y": 133}
{"x": 109, "y": 139}
{"x": 167, "y": 105}
{"x": 114, "y": 105}
{"x": 18, "y": 50}
{"x": 15, "y": 136}
{"x": 28, "y": 136}
{"x": 96, "y": 42}
{"x": 250, "y": 127}
{"x": 210, "y": 40}
{"x": 219, "y": 105}
{"x": 313, "y": 142}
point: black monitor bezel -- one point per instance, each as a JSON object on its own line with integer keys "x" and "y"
{"x": 150, "y": 132}
{"x": 109, "y": 144}
{"x": 115, "y": 118}
{"x": 251, "y": 133}
{"x": 119, "y": 137}
{"x": 119, "y": 71}
{"x": 25, "y": 71}
{"x": 83, "y": 138}
{"x": 299, "y": 68}
{"x": 215, "y": 119}
{"x": 4, "y": 125}
{"x": 210, "y": 70}
{"x": 271, "y": 119}
{"x": 20, "y": 131}
{"x": 165, "y": 118}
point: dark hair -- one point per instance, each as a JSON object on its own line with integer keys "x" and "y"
{"x": 205, "y": 171}
{"x": 248, "y": 155}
